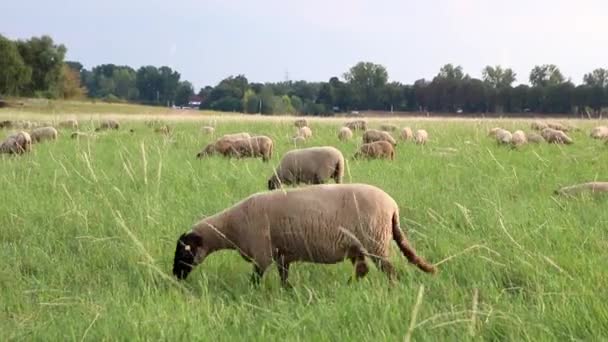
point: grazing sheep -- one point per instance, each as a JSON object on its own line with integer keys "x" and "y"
{"x": 538, "y": 125}
{"x": 554, "y": 136}
{"x": 518, "y": 138}
{"x": 6, "y": 124}
{"x": 372, "y": 135}
{"x": 305, "y": 132}
{"x": 493, "y": 131}
{"x": 164, "y": 129}
{"x": 108, "y": 124}
{"x": 17, "y": 143}
{"x": 312, "y": 165}
{"x": 592, "y": 187}
{"x": 301, "y": 123}
{"x": 259, "y": 146}
{"x": 534, "y": 138}
{"x": 421, "y": 137}
{"x": 43, "y": 133}
{"x": 357, "y": 125}
{"x": 407, "y": 134}
{"x": 79, "y": 135}
{"x": 599, "y": 132}
{"x": 208, "y": 130}
{"x": 207, "y": 151}
{"x": 558, "y": 126}
{"x": 503, "y": 136}
{"x": 345, "y": 134}
{"x": 377, "y": 149}
{"x": 73, "y": 124}
{"x": 320, "y": 224}
{"x": 235, "y": 136}
{"x": 388, "y": 128}
{"x": 23, "y": 124}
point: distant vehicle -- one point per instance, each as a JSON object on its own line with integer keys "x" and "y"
{"x": 459, "y": 111}
{"x": 354, "y": 113}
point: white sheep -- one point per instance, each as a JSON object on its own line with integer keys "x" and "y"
{"x": 313, "y": 165}
{"x": 345, "y": 134}
{"x": 372, "y": 135}
{"x": 43, "y": 133}
{"x": 421, "y": 137}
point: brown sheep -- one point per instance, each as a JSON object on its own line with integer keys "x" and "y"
{"x": 259, "y": 146}
{"x": 301, "y": 123}
{"x": 345, "y": 134}
{"x": 43, "y": 133}
{"x": 372, "y": 135}
{"x": 590, "y": 187}
{"x": 538, "y": 125}
{"x": 17, "y": 143}
{"x": 357, "y": 125}
{"x": 558, "y": 126}
{"x": 534, "y": 138}
{"x": 554, "y": 136}
{"x": 407, "y": 134}
{"x": 388, "y": 128}
{"x": 377, "y": 149}
{"x": 320, "y": 224}
{"x": 312, "y": 165}
{"x": 108, "y": 124}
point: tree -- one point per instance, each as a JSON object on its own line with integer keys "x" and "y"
{"x": 597, "y": 78}
{"x": 76, "y": 66}
{"x": 124, "y": 80}
{"x": 546, "y": 75}
{"x": 497, "y": 77}
{"x": 183, "y": 93}
{"x": 69, "y": 84}
{"x": 45, "y": 59}
{"x": 450, "y": 72}
{"x": 367, "y": 79}
{"x": 14, "y": 73}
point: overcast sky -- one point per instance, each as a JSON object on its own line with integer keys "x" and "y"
{"x": 207, "y": 40}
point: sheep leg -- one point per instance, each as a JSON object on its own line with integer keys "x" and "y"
{"x": 257, "y": 275}
{"x": 283, "y": 267}
{"x": 387, "y": 268}
{"x": 356, "y": 254}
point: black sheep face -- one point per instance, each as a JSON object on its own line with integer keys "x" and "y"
{"x": 185, "y": 254}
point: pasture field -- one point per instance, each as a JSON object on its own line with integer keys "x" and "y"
{"x": 88, "y": 231}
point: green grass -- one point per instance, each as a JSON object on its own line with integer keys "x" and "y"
{"x": 88, "y": 231}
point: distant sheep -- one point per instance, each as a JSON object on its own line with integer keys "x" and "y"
{"x": 6, "y": 124}
{"x": 388, "y": 128}
{"x": 590, "y": 187}
{"x": 558, "y": 126}
{"x": 599, "y": 132}
{"x": 554, "y": 136}
{"x": 43, "y": 133}
{"x": 82, "y": 135}
{"x": 372, "y": 135}
{"x": 407, "y": 134}
{"x": 301, "y": 123}
{"x": 235, "y": 136}
{"x": 73, "y": 124}
{"x": 535, "y": 138}
{"x": 208, "y": 130}
{"x": 421, "y": 137}
{"x": 538, "y": 125}
{"x": 108, "y": 124}
{"x": 258, "y": 146}
{"x": 312, "y": 165}
{"x": 377, "y": 149}
{"x": 518, "y": 138}
{"x": 164, "y": 129}
{"x": 345, "y": 134}
{"x": 305, "y": 132}
{"x": 493, "y": 131}
{"x": 503, "y": 136}
{"x": 357, "y": 125}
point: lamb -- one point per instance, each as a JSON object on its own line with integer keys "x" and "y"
{"x": 421, "y": 137}
{"x": 503, "y": 136}
{"x": 108, "y": 124}
{"x": 208, "y": 130}
{"x": 554, "y": 136}
{"x": 305, "y": 132}
{"x": 301, "y": 123}
{"x": 320, "y": 224}
{"x": 538, "y": 125}
{"x": 534, "y": 138}
{"x": 17, "y": 143}
{"x": 312, "y": 165}
{"x": 43, "y": 133}
{"x": 518, "y": 138}
{"x": 372, "y": 135}
{"x": 599, "y": 132}
{"x": 407, "y": 134}
{"x": 345, "y": 134}
{"x": 377, "y": 149}
{"x": 259, "y": 146}
{"x": 577, "y": 189}
{"x": 357, "y": 125}
{"x": 68, "y": 124}
{"x": 388, "y": 127}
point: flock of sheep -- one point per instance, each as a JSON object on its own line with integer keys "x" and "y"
{"x": 321, "y": 223}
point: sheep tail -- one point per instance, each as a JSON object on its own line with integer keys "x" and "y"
{"x": 408, "y": 250}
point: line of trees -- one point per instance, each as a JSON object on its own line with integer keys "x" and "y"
{"x": 366, "y": 87}
{"x": 36, "y": 67}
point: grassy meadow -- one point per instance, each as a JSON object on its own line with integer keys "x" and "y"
{"x": 88, "y": 231}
